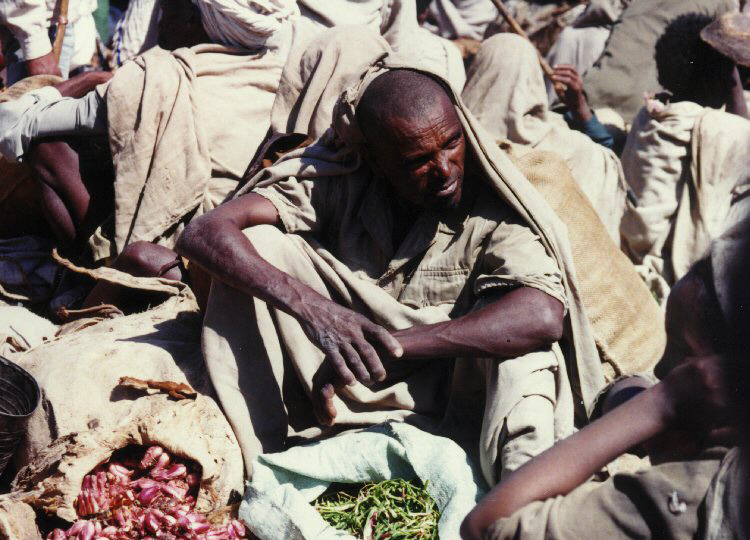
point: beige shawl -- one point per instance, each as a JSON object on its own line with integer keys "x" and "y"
{"x": 683, "y": 162}
{"x": 183, "y": 127}
{"x": 315, "y": 76}
{"x": 328, "y": 157}
{"x": 505, "y": 91}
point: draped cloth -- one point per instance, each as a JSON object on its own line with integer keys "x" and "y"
{"x": 183, "y": 127}
{"x": 315, "y": 76}
{"x": 683, "y": 163}
{"x": 505, "y": 91}
{"x": 396, "y": 21}
{"x": 226, "y": 343}
{"x": 454, "y": 19}
{"x": 246, "y": 23}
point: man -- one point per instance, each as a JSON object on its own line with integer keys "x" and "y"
{"x": 684, "y": 155}
{"x": 31, "y": 22}
{"x": 400, "y": 252}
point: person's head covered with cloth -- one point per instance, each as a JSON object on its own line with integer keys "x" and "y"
{"x": 395, "y": 119}
{"x": 246, "y": 24}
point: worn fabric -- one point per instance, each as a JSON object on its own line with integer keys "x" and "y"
{"x": 173, "y": 146}
{"x": 277, "y": 501}
{"x": 29, "y": 22}
{"x": 454, "y": 19}
{"x": 628, "y": 323}
{"x": 367, "y": 267}
{"x": 682, "y": 162}
{"x": 627, "y": 69}
{"x": 646, "y": 504}
{"x": 577, "y": 47}
{"x": 505, "y": 90}
{"x": 248, "y": 24}
{"x": 45, "y": 113}
{"x": 315, "y": 75}
{"x": 396, "y": 21}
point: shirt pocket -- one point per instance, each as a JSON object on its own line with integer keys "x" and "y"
{"x": 434, "y": 286}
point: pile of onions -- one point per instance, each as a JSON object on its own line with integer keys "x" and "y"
{"x": 144, "y": 499}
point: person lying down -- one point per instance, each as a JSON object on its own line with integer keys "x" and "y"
{"x": 347, "y": 280}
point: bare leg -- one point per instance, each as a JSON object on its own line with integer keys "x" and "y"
{"x": 65, "y": 199}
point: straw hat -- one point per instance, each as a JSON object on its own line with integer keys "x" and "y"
{"x": 730, "y": 35}
{"x": 27, "y": 85}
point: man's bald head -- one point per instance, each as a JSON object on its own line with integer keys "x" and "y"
{"x": 414, "y": 138}
{"x": 401, "y": 94}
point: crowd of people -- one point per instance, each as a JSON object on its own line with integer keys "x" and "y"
{"x": 402, "y": 210}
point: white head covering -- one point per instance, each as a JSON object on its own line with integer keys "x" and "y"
{"x": 513, "y": 105}
{"x": 245, "y": 23}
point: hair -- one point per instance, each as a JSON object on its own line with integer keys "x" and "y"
{"x": 683, "y": 59}
{"x": 400, "y": 93}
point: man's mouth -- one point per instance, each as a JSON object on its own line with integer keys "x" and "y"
{"x": 448, "y": 189}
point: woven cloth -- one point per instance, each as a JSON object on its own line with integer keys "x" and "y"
{"x": 627, "y": 322}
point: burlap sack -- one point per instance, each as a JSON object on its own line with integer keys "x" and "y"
{"x": 79, "y": 370}
{"x": 194, "y": 429}
{"x": 17, "y": 519}
{"x": 628, "y": 323}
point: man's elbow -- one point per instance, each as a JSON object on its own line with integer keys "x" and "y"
{"x": 551, "y": 314}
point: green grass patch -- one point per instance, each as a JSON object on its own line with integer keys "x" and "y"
{"x": 394, "y": 509}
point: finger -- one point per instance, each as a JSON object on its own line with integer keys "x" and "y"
{"x": 384, "y": 340}
{"x": 325, "y": 410}
{"x": 355, "y": 363}
{"x": 342, "y": 370}
{"x": 372, "y": 361}
{"x": 559, "y": 77}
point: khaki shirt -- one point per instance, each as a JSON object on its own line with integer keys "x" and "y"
{"x": 664, "y": 502}
{"x": 447, "y": 259}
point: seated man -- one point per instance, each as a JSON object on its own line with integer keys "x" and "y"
{"x": 684, "y": 156}
{"x": 355, "y": 275}
{"x": 689, "y": 492}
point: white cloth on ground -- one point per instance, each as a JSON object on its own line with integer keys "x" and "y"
{"x": 276, "y": 502}
{"x": 505, "y": 91}
{"x": 683, "y": 162}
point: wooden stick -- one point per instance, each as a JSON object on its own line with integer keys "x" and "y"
{"x": 546, "y": 68}
{"x": 62, "y": 23}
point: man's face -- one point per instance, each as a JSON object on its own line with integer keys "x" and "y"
{"x": 423, "y": 159}
{"x": 176, "y": 25}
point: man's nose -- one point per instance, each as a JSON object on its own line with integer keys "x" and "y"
{"x": 442, "y": 166}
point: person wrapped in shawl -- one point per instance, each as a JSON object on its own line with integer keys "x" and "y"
{"x": 505, "y": 91}
{"x": 400, "y": 268}
{"x": 685, "y": 156}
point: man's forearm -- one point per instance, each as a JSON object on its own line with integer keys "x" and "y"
{"x": 226, "y": 254}
{"x": 521, "y": 321}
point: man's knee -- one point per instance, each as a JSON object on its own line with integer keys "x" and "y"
{"x": 144, "y": 259}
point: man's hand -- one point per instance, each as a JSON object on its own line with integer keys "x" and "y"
{"x": 349, "y": 340}
{"x": 351, "y": 343}
{"x": 44, "y": 65}
{"x": 574, "y": 96}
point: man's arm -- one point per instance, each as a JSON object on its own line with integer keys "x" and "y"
{"x": 694, "y": 394}
{"x": 518, "y": 322}
{"x": 28, "y": 22}
{"x": 216, "y": 243}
